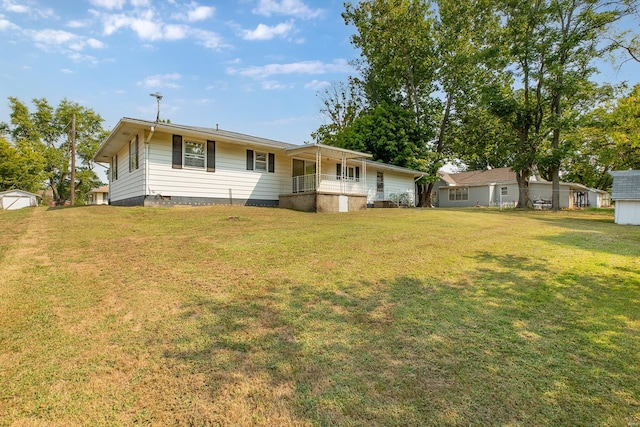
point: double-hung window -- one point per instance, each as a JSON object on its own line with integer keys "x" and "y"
{"x": 194, "y": 154}
{"x": 260, "y": 161}
{"x": 459, "y": 194}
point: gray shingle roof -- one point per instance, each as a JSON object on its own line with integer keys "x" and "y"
{"x": 626, "y": 185}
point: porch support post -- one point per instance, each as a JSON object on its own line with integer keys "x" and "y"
{"x": 363, "y": 178}
{"x": 318, "y": 168}
{"x": 344, "y": 173}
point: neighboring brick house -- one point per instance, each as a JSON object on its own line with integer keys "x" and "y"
{"x": 626, "y": 195}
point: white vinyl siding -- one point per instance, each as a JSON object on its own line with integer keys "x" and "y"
{"x": 627, "y": 212}
{"x": 231, "y": 179}
{"x": 129, "y": 184}
{"x": 395, "y": 184}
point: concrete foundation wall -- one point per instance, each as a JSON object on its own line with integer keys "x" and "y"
{"x": 321, "y": 202}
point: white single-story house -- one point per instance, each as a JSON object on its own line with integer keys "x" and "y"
{"x": 499, "y": 187}
{"x": 599, "y": 198}
{"x": 154, "y": 163}
{"x": 17, "y": 199}
{"x": 626, "y": 195}
{"x": 99, "y": 196}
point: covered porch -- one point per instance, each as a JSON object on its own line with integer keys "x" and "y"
{"x": 325, "y": 179}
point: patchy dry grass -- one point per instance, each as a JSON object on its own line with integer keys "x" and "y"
{"x": 121, "y": 316}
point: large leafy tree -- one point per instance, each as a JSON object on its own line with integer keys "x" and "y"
{"x": 574, "y": 38}
{"x": 423, "y": 59}
{"x": 21, "y": 165}
{"x": 388, "y": 132}
{"x": 47, "y": 131}
{"x": 607, "y": 139}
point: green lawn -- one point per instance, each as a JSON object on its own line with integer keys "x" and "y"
{"x": 251, "y": 316}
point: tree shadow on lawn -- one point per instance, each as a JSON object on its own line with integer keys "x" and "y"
{"x": 508, "y": 344}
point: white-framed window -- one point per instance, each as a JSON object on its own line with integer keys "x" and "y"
{"x": 134, "y": 154}
{"x": 459, "y": 194}
{"x": 504, "y": 191}
{"x": 260, "y": 161}
{"x": 194, "y": 154}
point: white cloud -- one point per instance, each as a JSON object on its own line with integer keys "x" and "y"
{"x": 200, "y": 13}
{"x": 65, "y": 43}
{"x": 66, "y": 71}
{"x": 208, "y": 39}
{"x": 316, "y": 85}
{"x": 10, "y": 6}
{"x": 305, "y": 67}
{"x": 161, "y": 80}
{"x": 27, "y": 7}
{"x": 265, "y": 32}
{"x": 108, "y": 4}
{"x": 149, "y": 27}
{"x": 6, "y": 25}
{"x": 273, "y": 85}
{"x": 95, "y": 44}
{"x": 287, "y": 7}
{"x": 76, "y": 24}
{"x": 54, "y": 37}
{"x": 195, "y": 13}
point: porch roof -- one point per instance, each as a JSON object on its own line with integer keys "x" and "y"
{"x": 325, "y": 151}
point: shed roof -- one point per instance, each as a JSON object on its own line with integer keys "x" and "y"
{"x": 17, "y": 192}
{"x": 626, "y": 185}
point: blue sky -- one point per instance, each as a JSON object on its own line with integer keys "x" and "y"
{"x": 251, "y": 66}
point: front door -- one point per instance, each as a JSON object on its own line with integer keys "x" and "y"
{"x": 380, "y": 185}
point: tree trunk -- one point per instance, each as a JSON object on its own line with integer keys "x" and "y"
{"x": 523, "y": 190}
{"x": 54, "y": 191}
{"x": 555, "y": 188}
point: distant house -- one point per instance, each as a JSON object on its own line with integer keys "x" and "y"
{"x": 165, "y": 164}
{"x": 599, "y": 198}
{"x": 499, "y": 187}
{"x": 99, "y": 196}
{"x": 17, "y": 199}
{"x": 626, "y": 195}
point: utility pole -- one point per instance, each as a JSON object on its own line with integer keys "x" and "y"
{"x": 73, "y": 159}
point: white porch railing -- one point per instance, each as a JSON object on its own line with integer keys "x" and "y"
{"x": 400, "y": 197}
{"x": 328, "y": 183}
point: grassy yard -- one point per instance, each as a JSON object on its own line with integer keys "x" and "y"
{"x": 248, "y": 316}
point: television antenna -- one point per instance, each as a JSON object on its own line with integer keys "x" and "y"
{"x": 158, "y": 97}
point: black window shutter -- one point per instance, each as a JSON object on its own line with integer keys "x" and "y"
{"x": 338, "y": 171}
{"x": 137, "y": 152}
{"x": 176, "y": 161}
{"x": 357, "y": 173}
{"x": 272, "y": 162}
{"x": 249, "y": 160}
{"x": 211, "y": 156}
{"x": 130, "y": 155}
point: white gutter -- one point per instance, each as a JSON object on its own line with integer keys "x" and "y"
{"x": 147, "y": 190}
